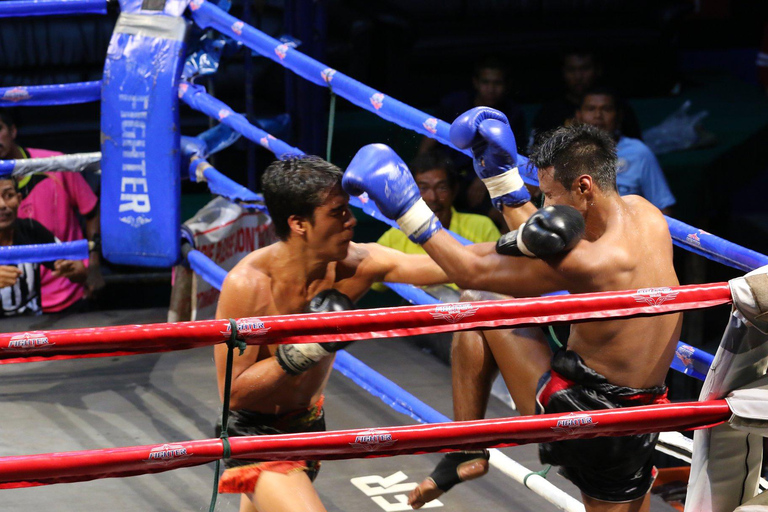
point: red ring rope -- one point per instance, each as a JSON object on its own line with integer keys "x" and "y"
{"x": 359, "y": 324}
{"x": 44, "y": 469}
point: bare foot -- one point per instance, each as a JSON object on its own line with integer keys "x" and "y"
{"x": 423, "y": 493}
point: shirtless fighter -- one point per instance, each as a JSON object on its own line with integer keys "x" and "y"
{"x": 625, "y": 245}
{"x": 313, "y": 267}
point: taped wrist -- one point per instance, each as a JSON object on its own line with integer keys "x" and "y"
{"x": 507, "y": 189}
{"x": 419, "y": 223}
{"x": 446, "y": 474}
{"x": 298, "y": 358}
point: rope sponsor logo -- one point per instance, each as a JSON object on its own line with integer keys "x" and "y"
{"x": 167, "y": 453}
{"x": 29, "y": 340}
{"x": 453, "y": 313}
{"x": 694, "y": 238}
{"x": 237, "y": 27}
{"x": 655, "y": 296}
{"x": 195, "y": 5}
{"x": 183, "y": 89}
{"x": 281, "y": 50}
{"x": 250, "y": 326}
{"x": 264, "y": 141}
{"x": 327, "y": 75}
{"x": 430, "y": 125}
{"x": 574, "y": 422}
{"x": 224, "y": 113}
{"x": 685, "y": 354}
{"x": 372, "y": 440}
{"x": 17, "y": 94}
{"x": 377, "y": 100}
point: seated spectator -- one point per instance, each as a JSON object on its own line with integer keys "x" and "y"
{"x": 638, "y": 172}
{"x": 490, "y": 88}
{"x": 57, "y": 200}
{"x": 581, "y": 71}
{"x": 20, "y": 284}
{"x": 438, "y": 185}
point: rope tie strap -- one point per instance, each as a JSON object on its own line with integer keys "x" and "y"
{"x": 232, "y": 343}
{"x": 542, "y": 474}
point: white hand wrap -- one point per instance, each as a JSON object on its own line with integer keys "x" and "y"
{"x": 416, "y": 218}
{"x": 505, "y": 183}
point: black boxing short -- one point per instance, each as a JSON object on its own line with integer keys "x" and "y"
{"x": 242, "y": 474}
{"x": 613, "y": 469}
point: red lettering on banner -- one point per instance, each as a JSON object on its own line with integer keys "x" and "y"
{"x": 250, "y": 237}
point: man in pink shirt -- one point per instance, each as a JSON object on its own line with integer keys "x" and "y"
{"x": 55, "y": 199}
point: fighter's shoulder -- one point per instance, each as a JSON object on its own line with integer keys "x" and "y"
{"x": 249, "y": 275}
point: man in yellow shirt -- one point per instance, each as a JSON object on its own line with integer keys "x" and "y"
{"x": 438, "y": 184}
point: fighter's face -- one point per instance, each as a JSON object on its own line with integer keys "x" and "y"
{"x": 599, "y": 110}
{"x": 437, "y": 192}
{"x": 9, "y": 203}
{"x": 490, "y": 86}
{"x": 580, "y": 73}
{"x": 7, "y": 138}
{"x": 332, "y": 226}
{"x": 555, "y": 193}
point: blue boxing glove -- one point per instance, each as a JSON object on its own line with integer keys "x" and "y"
{"x": 487, "y": 132}
{"x": 379, "y": 171}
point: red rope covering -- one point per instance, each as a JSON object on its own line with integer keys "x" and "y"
{"x": 359, "y": 324}
{"x": 43, "y": 469}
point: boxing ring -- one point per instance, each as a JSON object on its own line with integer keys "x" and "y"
{"x": 49, "y": 345}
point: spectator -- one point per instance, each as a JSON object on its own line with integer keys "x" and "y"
{"x": 581, "y": 71}
{"x": 20, "y": 284}
{"x": 56, "y": 200}
{"x": 638, "y": 172}
{"x": 438, "y": 184}
{"x": 490, "y": 88}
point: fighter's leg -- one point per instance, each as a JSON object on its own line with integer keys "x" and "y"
{"x": 473, "y": 370}
{"x": 291, "y": 492}
{"x": 522, "y": 356}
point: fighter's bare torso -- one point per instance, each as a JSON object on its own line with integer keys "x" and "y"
{"x": 633, "y": 252}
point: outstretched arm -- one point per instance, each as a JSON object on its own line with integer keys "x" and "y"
{"x": 392, "y": 266}
{"x": 479, "y": 267}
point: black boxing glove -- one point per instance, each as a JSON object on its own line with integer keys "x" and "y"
{"x": 551, "y": 230}
{"x": 298, "y": 358}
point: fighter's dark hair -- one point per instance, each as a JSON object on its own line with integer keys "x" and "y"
{"x": 296, "y": 186}
{"x": 605, "y": 90}
{"x": 432, "y": 160}
{"x": 577, "y": 150}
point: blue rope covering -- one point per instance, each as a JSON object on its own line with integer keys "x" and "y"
{"x": 38, "y": 253}
{"x": 389, "y": 392}
{"x": 196, "y": 97}
{"x": 206, "y": 268}
{"x": 207, "y": 15}
{"x": 42, "y": 95}
{"x": 221, "y": 185}
{"x": 715, "y": 248}
{"x": 18, "y": 8}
